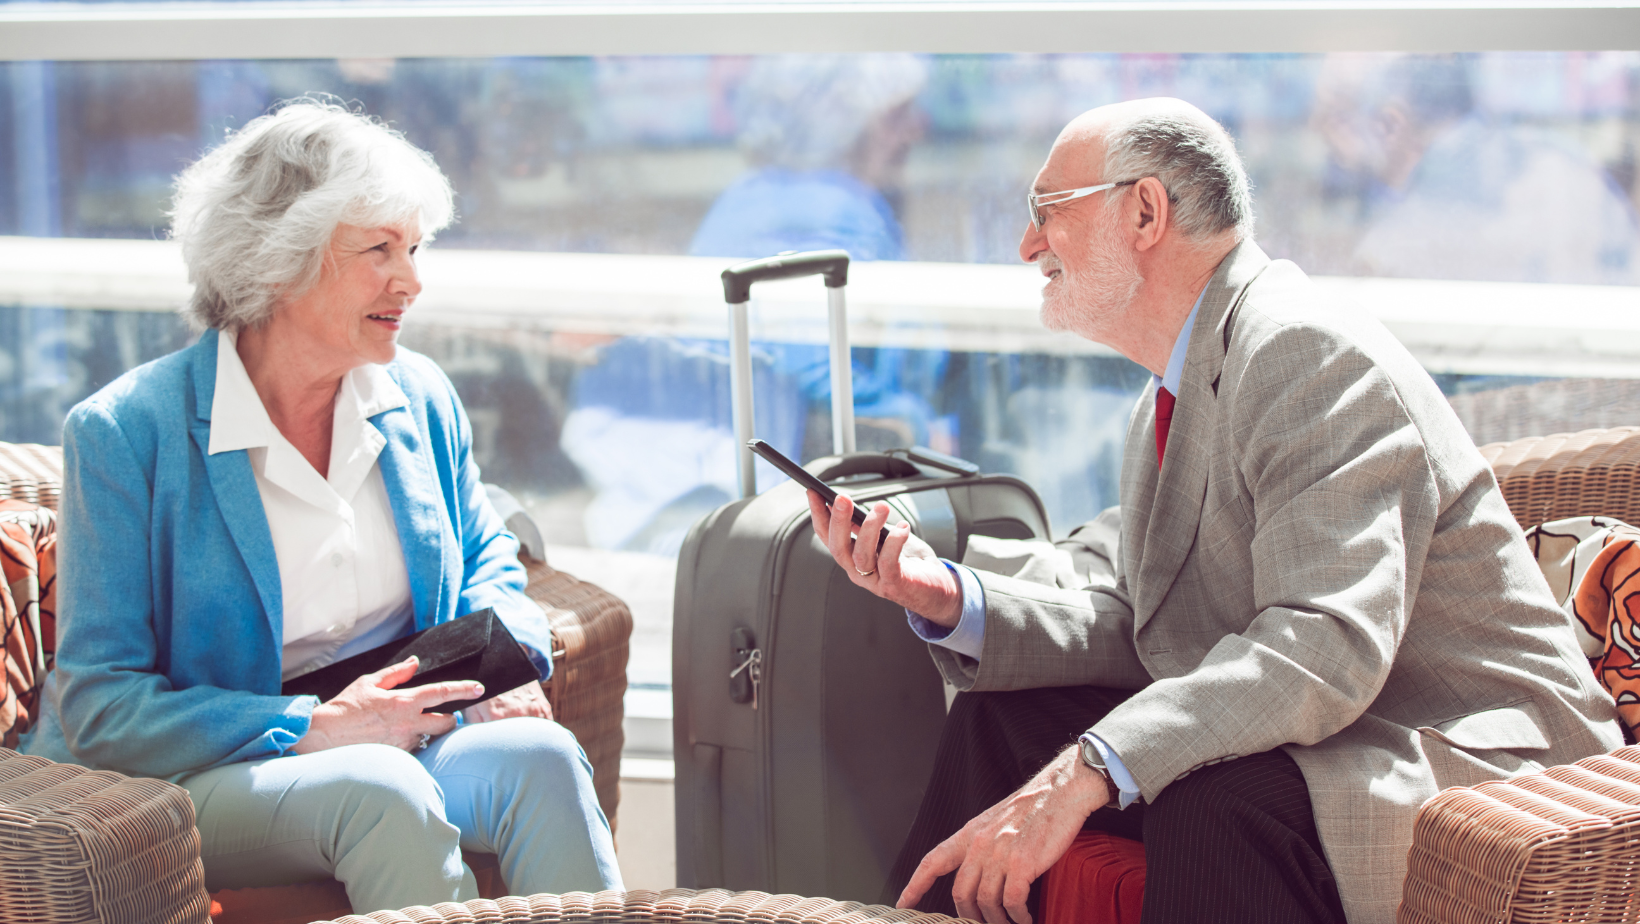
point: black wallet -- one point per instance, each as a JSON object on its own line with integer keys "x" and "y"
{"x": 476, "y": 646}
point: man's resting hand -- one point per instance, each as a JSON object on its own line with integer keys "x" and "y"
{"x": 1001, "y": 852}
{"x": 905, "y": 571}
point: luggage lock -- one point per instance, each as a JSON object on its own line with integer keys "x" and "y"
{"x": 748, "y": 674}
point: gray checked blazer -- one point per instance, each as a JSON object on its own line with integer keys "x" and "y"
{"x": 1324, "y": 564}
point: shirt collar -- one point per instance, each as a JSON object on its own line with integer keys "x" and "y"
{"x": 1169, "y": 379}
{"x": 368, "y": 391}
{"x": 240, "y": 421}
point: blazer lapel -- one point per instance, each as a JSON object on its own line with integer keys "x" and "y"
{"x": 1172, "y": 504}
{"x": 234, "y": 485}
{"x": 411, "y": 489}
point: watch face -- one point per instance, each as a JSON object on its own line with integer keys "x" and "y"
{"x": 1090, "y": 755}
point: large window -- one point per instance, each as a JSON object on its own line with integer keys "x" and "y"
{"x": 1433, "y": 187}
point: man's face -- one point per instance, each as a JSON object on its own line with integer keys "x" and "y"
{"x": 1092, "y": 269}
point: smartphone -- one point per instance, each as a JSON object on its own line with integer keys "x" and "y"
{"x": 801, "y": 475}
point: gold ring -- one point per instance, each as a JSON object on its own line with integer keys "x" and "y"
{"x": 865, "y": 573}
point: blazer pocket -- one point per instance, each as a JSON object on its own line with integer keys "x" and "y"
{"x": 1514, "y": 727}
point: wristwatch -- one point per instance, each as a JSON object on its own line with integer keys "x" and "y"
{"x": 1096, "y": 761}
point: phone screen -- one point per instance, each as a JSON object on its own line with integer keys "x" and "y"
{"x": 801, "y": 475}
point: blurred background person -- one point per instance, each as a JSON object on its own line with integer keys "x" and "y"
{"x": 1450, "y": 194}
{"x": 827, "y": 137}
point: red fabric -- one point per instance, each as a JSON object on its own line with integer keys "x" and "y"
{"x": 1164, "y": 420}
{"x": 1100, "y": 880}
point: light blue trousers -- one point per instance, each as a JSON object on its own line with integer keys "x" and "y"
{"x": 390, "y": 825}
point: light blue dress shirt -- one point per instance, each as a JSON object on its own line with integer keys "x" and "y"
{"x": 968, "y": 637}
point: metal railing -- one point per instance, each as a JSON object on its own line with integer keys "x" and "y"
{"x": 1464, "y": 327}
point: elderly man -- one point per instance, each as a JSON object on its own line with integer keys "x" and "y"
{"x": 1319, "y": 611}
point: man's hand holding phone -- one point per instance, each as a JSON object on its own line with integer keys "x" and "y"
{"x": 903, "y": 569}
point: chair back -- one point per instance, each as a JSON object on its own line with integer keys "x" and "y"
{"x": 1590, "y": 473}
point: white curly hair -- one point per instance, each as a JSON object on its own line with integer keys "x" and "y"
{"x": 256, "y": 214}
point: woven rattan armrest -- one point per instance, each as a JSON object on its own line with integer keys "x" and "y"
{"x": 1561, "y": 845}
{"x": 593, "y": 629}
{"x": 673, "y": 906}
{"x": 86, "y": 846}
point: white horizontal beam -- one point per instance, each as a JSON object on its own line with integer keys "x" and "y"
{"x": 1490, "y": 328}
{"x": 192, "y": 31}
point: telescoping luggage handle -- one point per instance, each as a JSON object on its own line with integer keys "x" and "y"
{"x": 737, "y": 290}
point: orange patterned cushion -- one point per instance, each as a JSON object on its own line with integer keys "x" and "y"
{"x": 1593, "y": 567}
{"x": 28, "y": 610}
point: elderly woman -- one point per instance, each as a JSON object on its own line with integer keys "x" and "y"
{"x": 291, "y": 490}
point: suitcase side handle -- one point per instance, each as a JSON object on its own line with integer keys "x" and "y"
{"x": 737, "y": 290}
{"x": 738, "y": 279}
{"x": 867, "y": 463}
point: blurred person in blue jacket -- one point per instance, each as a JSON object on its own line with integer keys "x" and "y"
{"x": 1452, "y": 194}
{"x": 828, "y": 137}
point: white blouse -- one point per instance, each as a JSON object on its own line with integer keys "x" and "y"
{"x": 342, "y": 575}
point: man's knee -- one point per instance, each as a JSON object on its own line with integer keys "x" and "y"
{"x": 1199, "y": 795}
{"x": 1230, "y": 792}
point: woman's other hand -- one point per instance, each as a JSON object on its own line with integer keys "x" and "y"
{"x": 372, "y": 711}
{"x": 527, "y": 700}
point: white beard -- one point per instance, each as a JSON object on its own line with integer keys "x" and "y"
{"x": 1088, "y": 301}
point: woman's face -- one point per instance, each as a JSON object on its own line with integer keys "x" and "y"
{"x": 353, "y": 313}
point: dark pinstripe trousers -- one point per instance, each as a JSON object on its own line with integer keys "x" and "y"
{"x": 1232, "y": 842}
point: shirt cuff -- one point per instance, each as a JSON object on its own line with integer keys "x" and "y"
{"x": 968, "y": 637}
{"x": 1127, "y": 791}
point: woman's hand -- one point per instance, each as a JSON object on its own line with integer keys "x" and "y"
{"x": 905, "y": 570}
{"x": 372, "y": 711}
{"x": 527, "y": 700}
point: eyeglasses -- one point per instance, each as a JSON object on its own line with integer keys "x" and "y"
{"x": 1035, "y": 201}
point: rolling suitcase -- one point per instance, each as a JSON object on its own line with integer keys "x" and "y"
{"x": 805, "y": 711}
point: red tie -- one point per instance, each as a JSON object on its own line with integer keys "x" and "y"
{"x": 1164, "y": 420}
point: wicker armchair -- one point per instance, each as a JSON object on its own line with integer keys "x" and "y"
{"x": 92, "y": 846}
{"x": 591, "y": 625}
{"x": 1561, "y": 845}
{"x": 673, "y": 906}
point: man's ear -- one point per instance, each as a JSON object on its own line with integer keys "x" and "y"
{"x": 1152, "y": 213}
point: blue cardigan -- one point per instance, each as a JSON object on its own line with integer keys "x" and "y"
{"x": 169, "y": 611}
